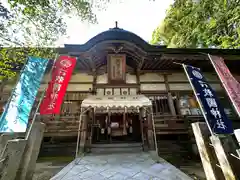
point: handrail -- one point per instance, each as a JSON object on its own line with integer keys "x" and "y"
{"x": 235, "y": 156}
{"x": 234, "y": 118}
{"x": 182, "y": 116}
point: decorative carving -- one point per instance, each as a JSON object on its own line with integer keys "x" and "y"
{"x": 116, "y": 49}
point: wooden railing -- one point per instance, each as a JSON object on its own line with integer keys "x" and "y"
{"x": 168, "y": 124}
{"x": 61, "y": 126}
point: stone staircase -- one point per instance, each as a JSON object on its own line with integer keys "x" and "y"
{"x": 176, "y": 152}
{"x": 116, "y": 148}
{"x": 170, "y": 147}
{"x": 57, "y": 149}
{"x": 68, "y": 149}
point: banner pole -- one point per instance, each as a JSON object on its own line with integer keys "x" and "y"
{"x": 35, "y": 115}
{"x": 228, "y": 93}
{"x": 40, "y": 101}
{"x": 198, "y": 100}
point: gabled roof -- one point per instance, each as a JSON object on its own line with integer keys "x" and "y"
{"x": 118, "y": 34}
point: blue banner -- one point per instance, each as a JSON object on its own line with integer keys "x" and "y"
{"x": 16, "y": 113}
{"x": 215, "y": 115}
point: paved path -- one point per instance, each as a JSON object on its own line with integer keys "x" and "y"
{"x": 130, "y": 166}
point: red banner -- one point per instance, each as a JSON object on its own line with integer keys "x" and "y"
{"x": 55, "y": 92}
{"x": 230, "y": 84}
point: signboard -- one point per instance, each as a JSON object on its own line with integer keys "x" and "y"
{"x": 117, "y": 67}
{"x": 16, "y": 113}
{"x": 56, "y": 90}
{"x": 213, "y": 112}
{"x": 231, "y": 85}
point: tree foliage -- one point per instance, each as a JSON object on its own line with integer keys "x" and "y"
{"x": 26, "y": 26}
{"x": 200, "y": 23}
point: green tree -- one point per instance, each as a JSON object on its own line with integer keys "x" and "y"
{"x": 200, "y": 23}
{"x": 26, "y": 26}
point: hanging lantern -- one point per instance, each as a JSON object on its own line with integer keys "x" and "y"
{"x": 102, "y": 131}
{"x": 130, "y": 129}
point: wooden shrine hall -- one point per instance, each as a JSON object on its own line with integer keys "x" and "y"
{"x": 127, "y": 90}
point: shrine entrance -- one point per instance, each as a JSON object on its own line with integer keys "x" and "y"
{"x": 113, "y": 129}
{"x": 116, "y": 119}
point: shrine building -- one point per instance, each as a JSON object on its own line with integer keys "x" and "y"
{"x": 129, "y": 90}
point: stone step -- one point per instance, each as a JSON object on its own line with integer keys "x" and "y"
{"x": 58, "y": 145}
{"x": 172, "y": 147}
{"x": 116, "y": 148}
{"x": 117, "y": 145}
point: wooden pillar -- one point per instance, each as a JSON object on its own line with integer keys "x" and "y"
{"x": 144, "y": 124}
{"x": 94, "y": 90}
{"x": 138, "y": 81}
{"x": 209, "y": 160}
{"x": 150, "y": 132}
{"x": 170, "y": 98}
{"x": 109, "y": 130}
{"x": 124, "y": 121}
{"x": 83, "y": 133}
{"x": 138, "y": 72}
{"x": 90, "y": 118}
{"x": 91, "y": 128}
{"x": 141, "y": 126}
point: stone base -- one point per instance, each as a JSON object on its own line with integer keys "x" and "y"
{"x": 11, "y": 158}
{"x": 30, "y": 155}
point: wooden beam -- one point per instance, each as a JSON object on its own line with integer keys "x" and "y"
{"x": 159, "y": 71}
{"x": 140, "y": 65}
{"x": 184, "y": 57}
{"x": 117, "y": 85}
{"x": 85, "y": 64}
{"x": 92, "y": 63}
{"x": 156, "y": 64}
{"x": 148, "y": 63}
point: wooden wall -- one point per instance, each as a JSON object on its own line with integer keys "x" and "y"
{"x": 148, "y": 82}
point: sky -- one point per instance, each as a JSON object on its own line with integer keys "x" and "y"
{"x": 138, "y": 16}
